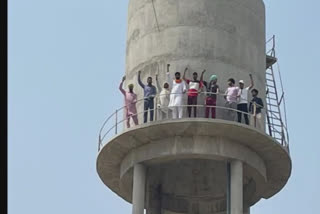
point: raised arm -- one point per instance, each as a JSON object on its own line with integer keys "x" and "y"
{"x": 139, "y": 79}
{"x": 169, "y": 80}
{"x": 252, "y": 83}
{"x": 184, "y": 89}
{"x": 120, "y": 86}
{"x": 184, "y": 74}
{"x": 201, "y": 78}
{"x": 158, "y": 84}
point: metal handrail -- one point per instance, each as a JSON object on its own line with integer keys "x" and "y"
{"x": 157, "y": 96}
{"x": 284, "y": 139}
{"x": 271, "y": 51}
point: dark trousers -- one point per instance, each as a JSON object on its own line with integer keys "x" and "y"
{"x": 211, "y": 103}
{"x": 148, "y": 104}
{"x": 244, "y": 108}
{"x": 192, "y": 101}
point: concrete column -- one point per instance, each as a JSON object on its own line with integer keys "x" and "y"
{"x": 138, "y": 193}
{"x": 236, "y": 187}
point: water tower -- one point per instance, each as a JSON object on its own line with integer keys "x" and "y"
{"x": 197, "y": 165}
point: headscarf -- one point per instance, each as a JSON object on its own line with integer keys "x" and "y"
{"x": 213, "y": 77}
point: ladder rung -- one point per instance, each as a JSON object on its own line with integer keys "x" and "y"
{"x": 274, "y": 111}
{"x": 275, "y": 129}
{"x": 270, "y": 86}
{"x": 274, "y": 118}
{"x": 269, "y": 79}
{"x": 278, "y": 132}
{"x": 274, "y": 90}
{"x": 271, "y": 92}
{"x": 272, "y": 124}
{"x": 273, "y": 105}
{"x": 273, "y": 99}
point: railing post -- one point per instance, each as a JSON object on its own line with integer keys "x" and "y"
{"x": 155, "y": 108}
{"x": 254, "y": 114}
{"x": 116, "y": 125}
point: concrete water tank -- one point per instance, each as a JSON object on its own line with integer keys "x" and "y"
{"x": 195, "y": 165}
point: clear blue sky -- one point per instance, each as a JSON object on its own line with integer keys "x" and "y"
{"x": 66, "y": 58}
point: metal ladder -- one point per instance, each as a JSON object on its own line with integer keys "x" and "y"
{"x": 275, "y": 122}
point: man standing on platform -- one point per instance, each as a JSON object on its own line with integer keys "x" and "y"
{"x": 255, "y": 108}
{"x": 243, "y": 100}
{"x": 176, "y": 96}
{"x": 231, "y": 100}
{"x": 194, "y": 86}
{"x": 130, "y": 99}
{"x": 150, "y": 92}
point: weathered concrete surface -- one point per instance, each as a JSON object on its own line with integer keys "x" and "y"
{"x": 227, "y": 38}
{"x": 191, "y": 186}
{"x": 195, "y": 147}
{"x": 179, "y": 155}
{"x": 263, "y": 154}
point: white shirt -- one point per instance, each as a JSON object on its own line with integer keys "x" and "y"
{"x": 177, "y": 90}
{"x": 243, "y": 93}
{"x": 164, "y": 97}
{"x": 177, "y": 93}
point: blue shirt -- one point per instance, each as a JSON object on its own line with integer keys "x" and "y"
{"x": 149, "y": 91}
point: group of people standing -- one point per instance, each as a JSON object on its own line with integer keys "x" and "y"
{"x": 173, "y": 90}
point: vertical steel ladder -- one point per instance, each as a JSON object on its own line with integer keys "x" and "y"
{"x": 275, "y": 122}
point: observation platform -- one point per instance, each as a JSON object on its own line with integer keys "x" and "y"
{"x": 187, "y": 157}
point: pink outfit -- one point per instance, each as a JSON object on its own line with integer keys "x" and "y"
{"x": 130, "y": 100}
{"x": 232, "y": 93}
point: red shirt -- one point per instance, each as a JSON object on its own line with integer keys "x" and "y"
{"x": 194, "y": 87}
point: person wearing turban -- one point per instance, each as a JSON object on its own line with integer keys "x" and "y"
{"x": 130, "y": 99}
{"x": 212, "y": 89}
{"x": 178, "y": 88}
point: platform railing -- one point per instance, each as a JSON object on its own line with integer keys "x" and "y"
{"x": 116, "y": 123}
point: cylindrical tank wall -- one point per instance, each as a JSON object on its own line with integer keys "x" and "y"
{"x": 227, "y": 38}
